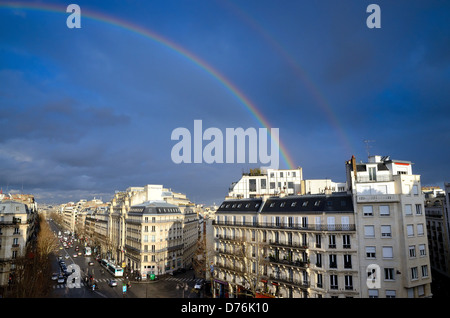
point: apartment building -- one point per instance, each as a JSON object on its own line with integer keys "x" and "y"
{"x": 293, "y": 246}
{"x": 118, "y": 225}
{"x": 18, "y": 216}
{"x": 154, "y": 238}
{"x": 272, "y": 182}
{"x": 391, "y": 228}
{"x": 438, "y": 232}
{"x": 267, "y": 182}
{"x": 369, "y": 242}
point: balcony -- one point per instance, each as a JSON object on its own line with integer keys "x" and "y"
{"x": 377, "y": 198}
{"x": 281, "y": 226}
{"x": 297, "y": 263}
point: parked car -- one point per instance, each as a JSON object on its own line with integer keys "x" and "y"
{"x": 91, "y": 263}
{"x": 54, "y": 276}
{"x": 61, "y": 279}
{"x": 199, "y": 284}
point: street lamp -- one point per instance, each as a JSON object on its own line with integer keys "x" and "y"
{"x": 184, "y": 286}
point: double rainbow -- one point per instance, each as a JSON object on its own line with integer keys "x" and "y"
{"x": 147, "y": 33}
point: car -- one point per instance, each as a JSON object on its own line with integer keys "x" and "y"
{"x": 67, "y": 256}
{"x": 91, "y": 263}
{"x": 112, "y": 282}
{"x": 199, "y": 284}
{"x": 61, "y": 279}
{"x": 178, "y": 271}
{"x": 75, "y": 255}
{"x": 54, "y": 276}
{"x": 79, "y": 253}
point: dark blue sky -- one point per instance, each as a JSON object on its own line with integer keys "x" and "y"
{"x": 85, "y": 112}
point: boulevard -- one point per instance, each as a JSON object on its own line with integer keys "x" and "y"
{"x": 166, "y": 286}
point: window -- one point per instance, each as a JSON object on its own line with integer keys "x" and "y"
{"x": 422, "y": 250}
{"x": 346, "y": 241}
{"x": 390, "y": 293}
{"x": 252, "y": 185}
{"x": 318, "y": 260}
{"x": 333, "y": 282}
{"x": 263, "y": 183}
{"x": 305, "y": 203}
{"x": 410, "y": 230}
{"x": 420, "y": 290}
{"x": 333, "y": 261}
{"x": 369, "y": 231}
{"x": 420, "y": 229}
{"x": 332, "y": 241}
{"x": 387, "y": 252}
{"x": 418, "y": 209}
{"x": 412, "y": 251}
{"x": 290, "y": 221}
{"x": 347, "y": 261}
{"x": 414, "y": 274}
{"x": 415, "y": 189}
{"x": 425, "y": 271}
{"x": 318, "y": 240}
{"x": 319, "y": 281}
{"x": 368, "y": 210}
{"x": 389, "y": 274}
{"x": 373, "y": 293}
{"x": 304, "y": 222}
{"x": 272, "y": 185}
{"x": 384, "y": 210}
{"x": 386, "y": 231}
{"x": 408, "y": 209}
{"x": 348, "y": 279}
{"x": 370, "y": 251}
{"x": 372, "y": 173}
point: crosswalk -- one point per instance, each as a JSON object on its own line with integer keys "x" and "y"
{"x": 78, "y": 284}
{"x": 183, "y": 279}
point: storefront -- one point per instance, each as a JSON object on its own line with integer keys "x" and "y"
{"x": 221, "y": 289}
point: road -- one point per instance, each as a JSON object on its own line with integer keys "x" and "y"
{"x": 178, "y": 286}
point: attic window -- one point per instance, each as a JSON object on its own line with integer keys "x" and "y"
{"x": 316, "y": 203}
{"x": 305, "y": 203}
{"x": 282, "y": 204}
{"x": 272, "y": 205}
{"x": 293, "y": 204}
{"x": 247, "y": 205}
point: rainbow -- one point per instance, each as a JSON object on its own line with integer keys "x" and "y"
{"x": 320, "y": 99}
{"x": 101, "y": 17}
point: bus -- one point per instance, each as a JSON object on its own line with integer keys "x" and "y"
{"x": 87, "y": 251}
{"x": 116, "y": 271}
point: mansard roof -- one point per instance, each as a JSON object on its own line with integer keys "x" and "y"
{"x": 334, "y": 203}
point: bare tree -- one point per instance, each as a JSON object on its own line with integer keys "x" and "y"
{"x": 31, "y": 275}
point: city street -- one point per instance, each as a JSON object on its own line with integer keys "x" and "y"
{"x": 167, "y": 286}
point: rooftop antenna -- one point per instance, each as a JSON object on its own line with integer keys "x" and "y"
{"x": 368, "y": 146}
